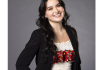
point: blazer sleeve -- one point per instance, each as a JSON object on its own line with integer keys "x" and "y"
{"x": 28, "y": 53}
{"x": 79, "y": 60}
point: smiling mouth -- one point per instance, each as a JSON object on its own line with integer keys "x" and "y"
{"x": 58, "y": 15}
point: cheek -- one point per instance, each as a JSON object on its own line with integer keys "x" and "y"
{"x": 61, "y": 9}
{"x": 49, "y": 13}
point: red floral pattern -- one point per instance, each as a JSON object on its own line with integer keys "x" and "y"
{"x": 63, "y": 56}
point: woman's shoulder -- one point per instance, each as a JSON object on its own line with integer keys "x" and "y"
{"x": 36, "y": 35}
{"x": 72, "y": 29}
{"x": 37, "y": 31}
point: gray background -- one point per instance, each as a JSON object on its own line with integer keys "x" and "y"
{"x": 21, "y": 22}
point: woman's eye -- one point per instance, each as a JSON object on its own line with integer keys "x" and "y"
{"x": 58, "y": 5}
{"x": 50, "y": 9}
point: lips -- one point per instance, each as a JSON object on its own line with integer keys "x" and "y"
{"x": 58, "y": 15}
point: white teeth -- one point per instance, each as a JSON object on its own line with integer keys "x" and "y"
{"x": 57, "y": 15}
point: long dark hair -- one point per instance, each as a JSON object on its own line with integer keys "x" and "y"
{"x": 43, "y": 23}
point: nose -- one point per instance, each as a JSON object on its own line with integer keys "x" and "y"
{"x": 56, "y": 10}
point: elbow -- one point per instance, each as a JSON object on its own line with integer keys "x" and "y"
{"x": 17, "y": 66}
{"x": 20, "y": 66}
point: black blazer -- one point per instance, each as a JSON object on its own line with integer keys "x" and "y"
{"x": 35, "y": 46}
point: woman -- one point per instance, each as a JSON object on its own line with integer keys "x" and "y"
{"x": 55, "y": 43}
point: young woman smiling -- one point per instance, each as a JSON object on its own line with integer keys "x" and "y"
{"x": 55, "y": 43}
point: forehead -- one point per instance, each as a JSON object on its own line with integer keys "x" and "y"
{"x": 51, "y": 3}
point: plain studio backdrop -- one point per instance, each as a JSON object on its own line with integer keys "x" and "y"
{"x": 21, "y": 23}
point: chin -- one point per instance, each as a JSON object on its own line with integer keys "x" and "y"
{"x": 58, "y": 21}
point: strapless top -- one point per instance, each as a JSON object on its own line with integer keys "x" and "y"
{"x": 65, "y": 56}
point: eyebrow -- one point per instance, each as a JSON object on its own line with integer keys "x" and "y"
{"x": 51, "y": 6}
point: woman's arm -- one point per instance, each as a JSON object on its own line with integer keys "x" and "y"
{"x": 29, "y": 51}
{"x": 78, "y": 45}
{"x": 79, "y": 60}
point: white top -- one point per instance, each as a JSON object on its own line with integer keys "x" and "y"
{"x": 65, "y": 65}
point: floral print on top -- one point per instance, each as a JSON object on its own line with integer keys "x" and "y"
{"x": 63, "y": 56}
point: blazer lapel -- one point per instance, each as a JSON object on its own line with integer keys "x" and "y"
{"x": 71, "y": 36}
{"x": 73, "y": 41}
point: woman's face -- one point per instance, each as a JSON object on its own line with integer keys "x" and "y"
{"x": 54, "y": 11}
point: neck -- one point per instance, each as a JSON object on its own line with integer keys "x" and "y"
{"x": 57, "y": 27}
